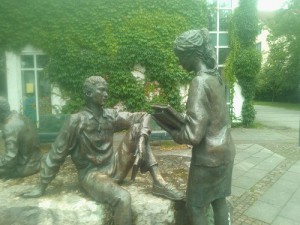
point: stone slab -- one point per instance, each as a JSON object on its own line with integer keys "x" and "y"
{"x": 263, "y": 211}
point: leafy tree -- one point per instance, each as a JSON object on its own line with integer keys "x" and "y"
{"x": 243, "y": 63}
{"x": 280, "y": 77}
{"x": 85, "y": 37}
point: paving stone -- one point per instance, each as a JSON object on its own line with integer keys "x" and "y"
{"x": 254, "y": 160}
{"x": 292, "y": 177}
{"x": 256, "y": 173}
{"x": 236, "y": 161}
{"x": 263, "y": 211}
{"x": 254, "y": 149}
{"x": 296, "y": 196}
{"x": 296, "y": 168}
{"x": 266, "y": 166}
{"x": 275, "y": 158}
{"x": 285, "y": 185}
{"x": 276, "y": 197}
{"x": 244, "y": 182}
{"x": 237, "y": 172}
{"x": 284, "y": 221}
{"x": 263, "y": 153}
{"x": 237, "y": 191}
{"x": 243, "y": 155}
{"x": 291, "y": 211}
{"x": 242, "y": 147}
{"x": 244, "y": 166}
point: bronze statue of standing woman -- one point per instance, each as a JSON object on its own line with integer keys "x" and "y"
{"x": 206, "y": 129}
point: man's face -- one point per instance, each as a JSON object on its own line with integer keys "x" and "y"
{"x": 99, "y": 94}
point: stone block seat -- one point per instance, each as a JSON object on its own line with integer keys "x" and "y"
{"x": 64, "y": 203}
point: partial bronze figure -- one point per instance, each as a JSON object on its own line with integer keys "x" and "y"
{"x": 88, "y": 137}
{"x": 206, "y": 129}
{"x": 22, "y": 154}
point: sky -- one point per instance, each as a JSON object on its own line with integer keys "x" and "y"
{"x": 269, "y": 5}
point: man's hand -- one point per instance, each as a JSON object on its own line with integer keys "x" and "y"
{"x": 35, "y": 193}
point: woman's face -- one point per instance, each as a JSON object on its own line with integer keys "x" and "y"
{"x": 187, "y": 61}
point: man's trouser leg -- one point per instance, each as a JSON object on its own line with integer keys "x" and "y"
{"x": 103, "y": 189}
{"x": 5, "y": 172}
{"x": 126, "y": 154}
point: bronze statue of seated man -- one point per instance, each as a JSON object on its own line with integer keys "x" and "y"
{"x": 22, "y": 154}
{"x": 88, "y": 137}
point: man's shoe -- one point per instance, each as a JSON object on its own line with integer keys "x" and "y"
{"x": 167, "y": 191}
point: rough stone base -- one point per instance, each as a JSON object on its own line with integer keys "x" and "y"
{"x": 77, "y": 208}
{"x": 64, "y": 203}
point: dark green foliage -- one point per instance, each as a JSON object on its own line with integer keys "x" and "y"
{"x": 279, "y": 79}
{"x": 246, "y": 22}
{"x": 104, "y": 37}
{"x": 248, "y": 113}
{"x": 243, "y": 63}
{"x": 2, "y": 75}
{"x": 247, "y": 65}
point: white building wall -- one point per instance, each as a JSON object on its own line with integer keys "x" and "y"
{"x": 57, "y": 101}
{"x": 238, "y": 100}
{"x": 13, "y": 74}
{"x": 262, "y": 38}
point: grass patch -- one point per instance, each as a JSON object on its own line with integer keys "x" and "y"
{"x": 284, "y": 105}
{"x": 169, "y": 145}
{"x": 255, "y": 125}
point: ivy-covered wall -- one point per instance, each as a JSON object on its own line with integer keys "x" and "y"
{"x": 107, "y": 38}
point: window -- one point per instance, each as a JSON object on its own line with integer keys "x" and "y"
{"x": 213, "y": 20}
{"x": 225, "y": 4}
{"x": 212, "y": 3}
{"x": 223, "y": 39}
{"x": 223, "y": 52}
{"x": 223, "y": 21}
{"x": 36, "y": 89}
{"x": 213, "y": 37}
{"x": 219, "y": 13}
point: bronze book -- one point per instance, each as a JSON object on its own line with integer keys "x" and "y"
{"x": 168, "y": 116}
